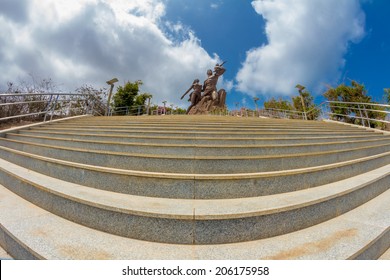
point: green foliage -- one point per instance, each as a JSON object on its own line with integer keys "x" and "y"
{"x": 279, "y": 104}
{"x": 310, "y": 107}
{"x": 126, "y": 95}
{"x": 180, "y": 111}
{"x": 348, "y": 113}
{"x": 142, "y": 98}
{"x": 354, "y": 93}
{"x": 128, "y": 100}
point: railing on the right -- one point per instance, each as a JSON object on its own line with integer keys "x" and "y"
{"x": 371, "y": 115}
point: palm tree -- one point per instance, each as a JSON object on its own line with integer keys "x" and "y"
{"x": 255, "y": 99}
{"x": 165, "y": 103}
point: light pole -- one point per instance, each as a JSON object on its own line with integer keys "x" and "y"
{"x": 255, "y": 99}
{"x": 111, "y": 83}
{"x": 147, "y": 111}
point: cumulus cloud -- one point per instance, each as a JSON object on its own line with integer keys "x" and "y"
{"x": 91, "y": 41}
{"x": 307, "y": 41}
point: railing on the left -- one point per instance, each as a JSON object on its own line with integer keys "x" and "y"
{"x": 46, "y": 106}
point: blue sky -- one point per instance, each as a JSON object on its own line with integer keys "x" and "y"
{"x": 270, "y": 45}
{"x": 368, "y": 61}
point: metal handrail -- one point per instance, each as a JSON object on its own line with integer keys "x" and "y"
{"x": 40, "y": 94}
{"x": 51, "y": 106}
{"x": 135, "y": 110}
{"x": 360, "y": 112}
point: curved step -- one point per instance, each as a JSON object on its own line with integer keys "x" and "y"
{"x": 199, "y": 130}
{"x": 174, "y": 185}
{"x": 385, "y": 255}
{"x": 194, "y": 221}
{"x": 260, "y": 140}
{"x": 29, "y": 232}
{"x": 196, "y": 149}
{"x": 193, "y": 164}
{"x": 211, "y": 133}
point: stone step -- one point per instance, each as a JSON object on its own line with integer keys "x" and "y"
{"x": 259, "y": 140}
{"x": 211, "y": 133}
{"x": 29, "y": 232}
{"x": 207, "y": 123}
{"x": 202, "y": 121}
{"x": 3, "y": 254}
{"x": 189, "y": 186}
{"x": 199, "y": 128}
{"x": 193, "y": 164}
{"x": 386, "y": 255}
{"x": 282, "y": 189}
{"x": 194, "y": 221}
{"x": 195, "y": 149}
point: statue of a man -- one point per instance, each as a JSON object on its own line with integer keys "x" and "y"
{"x": 201, "y": 104}
{"x": 210, "y": 84}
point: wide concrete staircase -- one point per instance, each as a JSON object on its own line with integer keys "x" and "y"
{"x": 200, "y": 187}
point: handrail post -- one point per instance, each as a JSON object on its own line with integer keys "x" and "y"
{"x": 48, "y": 106}
{"x": 367, "y": 118}
{"x": 361, "y": 116}
{"x": 54, "y": 107}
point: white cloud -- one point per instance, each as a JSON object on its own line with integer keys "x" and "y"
{"x": 91, "y": 41}
{"x": 307, "y": 41}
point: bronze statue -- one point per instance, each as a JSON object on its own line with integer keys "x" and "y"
{"x": 211, "y": 98}
{"x": 195, "y": 96}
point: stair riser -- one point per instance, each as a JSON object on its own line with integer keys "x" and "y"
{"x": 195, "y": 166}
{"x": 197, "y": 151}
{"x": 194, "y": 231}
{"x": 212, "y": 141}
{"x": 193, "y": 187}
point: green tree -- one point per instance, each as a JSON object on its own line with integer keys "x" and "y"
{"x": 141, "y": 101}
{"x": 307, "y": 98}
{"x": 279, "y": 104}
{"x": 351, "y": 113}
{"x": 142, "y": 98}
{"x": 278, "y": 107}
{"x": 126, "y": 95}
